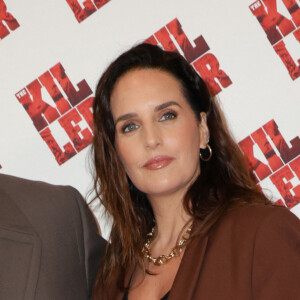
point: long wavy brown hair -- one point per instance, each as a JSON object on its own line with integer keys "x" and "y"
{"x": 224, "y": 180}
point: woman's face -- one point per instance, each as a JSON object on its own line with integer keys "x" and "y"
{"x": 157, "y": 134}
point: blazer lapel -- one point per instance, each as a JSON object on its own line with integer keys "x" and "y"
{"x": 15, "y": 228}
{"x": 189, "y": 270}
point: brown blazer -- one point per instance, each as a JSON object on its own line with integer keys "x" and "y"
{"x": 50, "y": 248}
{"x": 252, "y": 253}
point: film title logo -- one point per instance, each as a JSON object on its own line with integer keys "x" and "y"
{"x": 84, "y": 8}
{"x": 52, "y": 101}
{"x": 278, "y": 165}
{"x": 7, "y": 21}
{"x": 281, "y": 31}
{"x": 172, "y": 38}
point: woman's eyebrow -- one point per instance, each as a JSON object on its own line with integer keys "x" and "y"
{"x": 166, "y": 104}
{"x": 157, "y": 108}
{"x": 126, "y": 117}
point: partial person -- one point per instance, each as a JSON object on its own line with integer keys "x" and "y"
{"x": 189, "y": 221}
{"x": 50, "y": 248}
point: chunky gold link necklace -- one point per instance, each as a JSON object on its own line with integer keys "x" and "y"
{"x": 163, "y": 259}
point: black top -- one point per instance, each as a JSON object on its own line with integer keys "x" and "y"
{"x": 165, "y": 297}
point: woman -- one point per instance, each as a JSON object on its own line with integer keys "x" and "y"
{"x": 188, "y": 219}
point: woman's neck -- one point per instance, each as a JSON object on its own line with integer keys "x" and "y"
{"x": 170, "y": 218}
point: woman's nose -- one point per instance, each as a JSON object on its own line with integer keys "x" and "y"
{"x": 152, "y": 137}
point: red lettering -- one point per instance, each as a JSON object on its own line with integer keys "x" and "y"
{"x": 61, "y": 103}
{"x": 100, "y": 3}
{"x": 39, "y": 111}
{"x": 262, "y": 170}
{"x": 297, "y": 36}
{"x": 279, "y": 202}
{"x": 190, "y": 52}
{"x": 165, "y": 40}
{"x": 74, "y": 96}
{"x": 85, "y": 108}
{"x": 174, "y": 29}
{"x": 8, "y": 19}
{"x": 288, "y": 61}
{"x": 65, "y": 96}
{"x": 261, "y": 140}
{"x": 89, "y": 7}
{"x": 286, "y": 153}
{"x": 295, "y": 166}
{"x": 79, "y": 12}
{"x": 60, "y": 156}
{"x": 294, "y": 10}
{"x": 70, "y": 124}
{"x": 281, "y": 179}
{"x": 172, "y": 38}
{"x": 209, "y": 68}
{"x": 272, "y": 21}
{"x": 151, "y": 40}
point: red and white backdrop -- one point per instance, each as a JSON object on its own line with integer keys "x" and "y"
{"x": 53, "y": 52}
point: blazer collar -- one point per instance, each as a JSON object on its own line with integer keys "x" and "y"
{"x": 15, "y": 226}
{"x": 11, "y": 215}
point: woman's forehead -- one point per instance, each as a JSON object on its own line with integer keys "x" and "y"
{"x": 143, "y": 90}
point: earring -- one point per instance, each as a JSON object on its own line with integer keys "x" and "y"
{"x": 205, "y": 151}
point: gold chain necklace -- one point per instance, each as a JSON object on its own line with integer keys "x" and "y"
{"x": 163, "y": 259}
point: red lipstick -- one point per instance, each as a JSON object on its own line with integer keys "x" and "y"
{"x": 158, "y": 162}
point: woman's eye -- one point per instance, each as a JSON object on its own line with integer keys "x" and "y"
{"x": 167, "y": 116}
{"x": 129, "y": 127}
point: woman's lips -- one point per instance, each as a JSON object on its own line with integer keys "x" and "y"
{"x": 158, "y": 162}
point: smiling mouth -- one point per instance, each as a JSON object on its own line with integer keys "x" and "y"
{"x": 158, "y": 162}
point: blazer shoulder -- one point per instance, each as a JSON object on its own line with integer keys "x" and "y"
{"x": 247, "y": 220}
{"x": 24, "y": 191}
{"x": 256, "y": 214}
{"x": 9, "y": 181}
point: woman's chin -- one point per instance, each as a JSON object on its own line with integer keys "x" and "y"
{"x": 163, "y": 190}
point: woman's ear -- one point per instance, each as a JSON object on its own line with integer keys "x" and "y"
{"x": 203, "y": 131}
